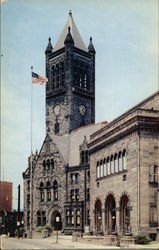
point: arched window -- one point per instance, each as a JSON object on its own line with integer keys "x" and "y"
{"x": 112, "y": 164}
{"x": 55, "y": 189}
{"x": 48, "y": 164}
{"x": 44, "y": 165}
{"x": 98, "y": 170}
{"x": 116, "y": 163}
{"x": 52, "y": 164}
{"x": 101, "y": 168}
{"x": 41, "y": 192}
{"x": 104, "y": 166}
{"x": 124, "y": 159}
{"x": 48, "y": 188}
{"x": 108, "y": 166}
{"x": 120, "y": 161}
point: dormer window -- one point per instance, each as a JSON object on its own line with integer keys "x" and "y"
{"x": 84, "y": 157}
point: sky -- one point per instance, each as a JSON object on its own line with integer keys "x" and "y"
{"x": 125, "y": 36}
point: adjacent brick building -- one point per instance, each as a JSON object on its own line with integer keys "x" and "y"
{"x": 101, "y": 175}
{"x": 6, "y": 196}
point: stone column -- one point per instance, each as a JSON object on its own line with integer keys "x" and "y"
{"x": 118, "y": 219}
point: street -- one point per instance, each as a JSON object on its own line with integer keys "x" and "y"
{"x": 64, "y": 242}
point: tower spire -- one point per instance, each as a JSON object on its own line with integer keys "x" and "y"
{"x": 70, "y": 13}
{"x": 69, "y": 38}
{"x": 49, "y": 47}
{"x": 91, "y": 47}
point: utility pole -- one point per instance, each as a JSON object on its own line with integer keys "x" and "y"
{"x": 18, "y": 221}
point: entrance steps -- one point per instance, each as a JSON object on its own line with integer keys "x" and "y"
{"x": 107, "y": 240}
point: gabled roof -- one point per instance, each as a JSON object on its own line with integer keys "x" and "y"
{"x": 78, "y": 42}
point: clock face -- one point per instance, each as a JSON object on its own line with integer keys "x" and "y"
{"x": 82, "y": 110}
{"x": 56, "y": 109}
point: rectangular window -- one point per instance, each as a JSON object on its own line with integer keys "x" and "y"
{"x": 124, "y": 162}
{"x": 72, "y": 195}
{"x": 72, "y": 179}
{"x": 72, "y": 218}
{"x": 42, "y": 196}
{"x": 108, "y": 166}
{"x": 77, "y": 194}
{"x": 116, "y": 165}
{"x": 101, "y": 169}
{"x": 43, "y": 218}
{"x": 78, "y": 217}
{"x": 153, "y": 174}
{"x": 120, "y": 164}
{"x": 105, "y": 170}
{"x": 28, "y": 201}
{"x": 153, "y": 215}
{"x": 48, "y": 196}
{"x": 88, "y": 194}
{"x": 67, "y": 217}
{"x": 98, "y": 171}
{"x": 76, "y": 178}
{"x": 112, "y": 166}
{"x": 88, "y": 217}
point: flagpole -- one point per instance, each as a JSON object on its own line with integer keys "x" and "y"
{"x": 31, "y": 174}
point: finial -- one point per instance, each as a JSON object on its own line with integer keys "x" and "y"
{"x": 91, "y": 47}
{"x": 49, "y": 47}
{"x": 70, "y": 13}
{"x": 69, "y": 29}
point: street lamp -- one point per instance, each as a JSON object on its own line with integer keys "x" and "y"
{"x": 57, "y": 221}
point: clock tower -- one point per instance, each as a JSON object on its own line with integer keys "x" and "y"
{"x": 70, "y": 90}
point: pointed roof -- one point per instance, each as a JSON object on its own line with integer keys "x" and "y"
{"x": 49, "y": 47}
{"x": 91, "y": 47}
{"x": 78, "y": 42}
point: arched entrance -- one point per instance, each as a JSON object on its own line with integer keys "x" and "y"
{"x": 110, "y": 214}
{"x": 98, "y": 216}
{"x": 56, "y": 225}
{"x": 124, "y": 215}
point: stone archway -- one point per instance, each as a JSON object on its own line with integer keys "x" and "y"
{"x": 110, "y": 207}
{"x": 54, "y": 224}
{"x": 124, "y": 215}
{"x": 98, "y": 216}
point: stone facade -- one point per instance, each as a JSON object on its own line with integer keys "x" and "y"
{"x": 61, "y": 171}
{"x": 101, "y": 175}
{"x": 124, "y": 160}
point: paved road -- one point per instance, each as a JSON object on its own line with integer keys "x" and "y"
{"x": 65, "y": 242}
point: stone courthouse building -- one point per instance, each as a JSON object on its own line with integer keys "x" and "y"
{"x": 102, "y": 175}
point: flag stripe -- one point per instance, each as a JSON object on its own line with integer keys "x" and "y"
{"x": 37, "y": 79}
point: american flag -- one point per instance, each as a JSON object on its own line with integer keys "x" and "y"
{"x": 37, "y": 79}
